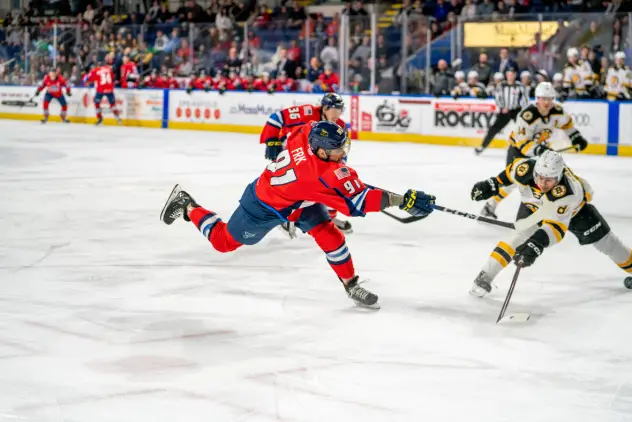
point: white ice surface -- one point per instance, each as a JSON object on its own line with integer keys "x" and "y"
{"x": 106, "y": 314}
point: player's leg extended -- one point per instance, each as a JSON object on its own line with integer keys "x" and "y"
{"x": 315, "y": 221}
{"x": 112, "y": 103}
{"x": 591, "y": 228}
{"x": 47, "y": 100}
{"x": 64, "y": 108}
{"x": 500, "y": 257}
{"x": 97, "y": 106}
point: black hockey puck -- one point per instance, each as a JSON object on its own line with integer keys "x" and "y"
{"x": 628, "y": 282}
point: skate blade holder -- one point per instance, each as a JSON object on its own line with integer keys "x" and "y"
{"x": 515, "y": 318}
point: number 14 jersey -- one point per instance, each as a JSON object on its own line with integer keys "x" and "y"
{"x": 298, "y": 179}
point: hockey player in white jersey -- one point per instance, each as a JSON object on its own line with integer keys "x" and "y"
{"x": 619, "y": 79}
{"x": 554, "y": 201}
{"x": 578, "y": 76}
{"x": 532, "y": 132}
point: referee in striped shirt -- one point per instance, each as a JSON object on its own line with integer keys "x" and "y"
{"x": 511, "y": 97}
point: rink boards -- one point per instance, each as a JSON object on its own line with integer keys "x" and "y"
{"x": 443, "y": 121}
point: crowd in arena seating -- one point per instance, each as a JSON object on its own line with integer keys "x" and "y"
{"x": 232, "y": 44}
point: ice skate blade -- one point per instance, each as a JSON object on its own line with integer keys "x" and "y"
{"x": 373, "y": 307}
{"x": 176, "y": 190}
{"x": 515, "y": 318}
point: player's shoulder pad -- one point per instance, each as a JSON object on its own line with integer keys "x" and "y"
{"x": 561, "y": 191}
{"x": 530, "y": 114}
{"x": 557, "y": 110}
{"x": 523, "y": 171}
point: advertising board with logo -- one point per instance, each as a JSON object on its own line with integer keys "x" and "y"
{"x": 145, "y": 105}
{"x": 385, "y": 114}
{"x": 237, "y": 108}
{"x": 469, "y": 118}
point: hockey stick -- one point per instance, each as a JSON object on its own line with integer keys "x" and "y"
{"x": 519, "y": 317}
{"x": 411, "y": 219}
{"x": 572, "y": 147}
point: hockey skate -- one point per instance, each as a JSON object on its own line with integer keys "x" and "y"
{"x": 118, "y": 120}
{"x": 343, "y": 225}
{"x": 289, "y": 229}
{"x": 44, "y": 120}
{"x": 176, "y": 206}
{"x": 479, "y": 150}
{"x": 360, "y": 295}
{"x": 482, "y": 285}
{"x": 65, "y": 120}
{"x": 489, "y": 211}
{"x": 99, "y": 121}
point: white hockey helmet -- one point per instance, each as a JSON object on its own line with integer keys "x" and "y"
{"x": 619, "y": 55}
{"x": 472, "y": 74}
{"x": 459, "y": 74}
{"x": 549, "y": 164}
{"x": 498, "y": 76}
{"x": 572, "y": 52}
{"x": 545, "y": 90}
{"x": 558, "y": 77}
{"x": 525, "y": 74}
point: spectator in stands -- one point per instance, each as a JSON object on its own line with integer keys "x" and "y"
{"x": 164, "y": 15}
{"x": 485, "y": 9}
{"x": 297, "y": 16}
{"x": 329, "y": 81}
{"x": 329, "y": 54}
{"x": 263, "y": 18}
{"x": 281, "y": 16}
{"x": 435, "y": 29}
{"x": 285, "y": 64}
{"x": 162, "y": 41}
{"x": 333, "y": 26}
{"x": 456, "y": 6}
{"x": 233, "y": 63}
{"x": 443, "y": 79}
{"x": 294, "y": 52}
{"x": 89, "y": 14}
{"x": 505, "y": 62}
{"x": 441, "y": 10}
{"x": 358, "y": 9}
{"x": 314, "y": 70}
{"x": 502, "y": 10}
{"x": 224, "y": 23}
{"x": 469, "y": 10}
{"x": 363, "y": 51}
{"x": 483, "y": 69}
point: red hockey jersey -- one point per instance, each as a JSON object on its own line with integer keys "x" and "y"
{"x": 103, "y": 78}
{"x": 282, "y": 122}
{"x": 55, "y": 87}
{"x": 298, "y": 178}
{"x": 129, "y": 75}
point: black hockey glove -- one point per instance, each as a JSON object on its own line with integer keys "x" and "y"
{"x": 189, "y": 90}
{"x": 539, "y": 149}
{"x": 274, "y": 147}
{"x": 528, "y": 252}
{"x": 485, "y": 189}
{"x": 37, "y": 93}
{"x": 578, "y": 141}
{"x": 417, "y": 203}
{"x": 222, "y": 90}
{"x": 69, "y": 94}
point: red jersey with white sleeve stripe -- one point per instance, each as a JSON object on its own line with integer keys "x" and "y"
{"x": 129, "y": 75}
{"x": 298, "y": 179}
{"x": 283, "y": 122}
{"x": 103, "y": 78}
{"x": 54, "y": 87}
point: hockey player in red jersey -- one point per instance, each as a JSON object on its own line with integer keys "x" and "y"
{"x": 309, "y": 173}
{"x": 54, "y": 85}
{"x": 170, "y": 81}
{"x": 199, "y": 82}
{"x": 129, "y": 73}
{"x": 281, "y": 123}
{"x": 103, "y": 78}
{"x": 284, "y": 83}
{"x": 264, "y": 83}
{"x": 151, "y": 81}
